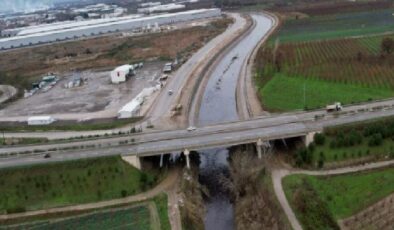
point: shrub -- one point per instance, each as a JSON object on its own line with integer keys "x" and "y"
{"x": 123, "y": 193}
{"x": 376, "y": 140}
{"x": 319, "y": 139}
{"x": 322, "y": 158}
{"x": 315, "y": 212}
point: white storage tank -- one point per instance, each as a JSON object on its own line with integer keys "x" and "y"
{"x": 40, "y": 120}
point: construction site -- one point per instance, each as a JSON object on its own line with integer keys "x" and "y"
{"x": 64, "y": 82}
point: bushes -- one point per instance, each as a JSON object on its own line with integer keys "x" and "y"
{"x": 375, "y": 140}
{"x": 313, "y": 211}
{"x": 346, "y": 140}
{"x": 304, "y": 156}
{"x": 319, "y": 139}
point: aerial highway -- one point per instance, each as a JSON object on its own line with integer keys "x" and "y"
{"x": 273, "y": 127}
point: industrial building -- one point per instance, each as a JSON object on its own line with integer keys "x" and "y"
{"x": 74, "y": 30}
{"x": 40, "y": 120}
{"x": 161, "y": 8}
{"x": 132, "y": 108}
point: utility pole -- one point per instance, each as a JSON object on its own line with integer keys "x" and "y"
{"x": 304, "y": 95}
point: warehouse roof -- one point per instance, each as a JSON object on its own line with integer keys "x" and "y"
{"x": 40, "y": 118}
{"x": 58, "y": 28}
{"x": 124, "y": 68}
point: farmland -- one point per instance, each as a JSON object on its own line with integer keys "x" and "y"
{"x": 74, "y": 182}
{"x": 339, "y": 196}
{"x": 349, "y": 144}
{"x": 342, "y": 69}
{"x": 124, "y": 218}
{"x": 149, "y": 214}
{"x": 335, "y": 26}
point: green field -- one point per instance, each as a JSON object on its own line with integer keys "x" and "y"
{"x": 284, "y": 93}
{"x": 352, "y": 143}
{"x": 125, "y": 218}
{"x": 73, "y": 182}
{"x": 335, "y": 26}
{"x": 315, "y": 56}
{"x": 343, "y": 195}
{"x": 129, "y": 216}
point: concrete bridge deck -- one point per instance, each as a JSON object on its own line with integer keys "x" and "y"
{"x": 222, "y": 135}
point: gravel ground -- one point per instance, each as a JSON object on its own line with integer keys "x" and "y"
{"x": 97, "y": 94}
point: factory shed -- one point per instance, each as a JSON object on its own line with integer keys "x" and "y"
{"x": 57, "y": 32}
{"x": 121, "y": 73}
{"x": 40, "y": 120}
{"x": 131, "y": 109}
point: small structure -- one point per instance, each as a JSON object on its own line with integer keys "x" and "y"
{"x": 40, "y": 120}
{"x": 119, "y": 74}
{"x": 132, "y": 108}
{"x": 167, "y": 68}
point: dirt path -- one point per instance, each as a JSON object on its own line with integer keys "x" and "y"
{"x": 279, "y": 174}
{"x": 165, "y": 185}
{"x": 173, "y": 207}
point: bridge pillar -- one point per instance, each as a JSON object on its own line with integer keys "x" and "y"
{"x": 309, "y": 138}
{"x": 133, "y": 160}
{"x": 187, "y": 153}
{"x": 259, "y": 145}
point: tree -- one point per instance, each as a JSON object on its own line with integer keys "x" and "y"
{"x": 387, "y": 45}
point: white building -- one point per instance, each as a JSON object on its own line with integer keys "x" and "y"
{"x": 161, "y": 8}
{"x": 40, "y": 120}
{"x": 22, "y": 37}
{"x": 119, "y": 74}
{"x": 132, "y": 108}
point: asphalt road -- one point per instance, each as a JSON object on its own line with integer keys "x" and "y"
{"x": 164, "y": 103}
{"x": 222, "y": 135}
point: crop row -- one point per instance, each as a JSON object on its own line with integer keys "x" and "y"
{"x": 355, "y": 61}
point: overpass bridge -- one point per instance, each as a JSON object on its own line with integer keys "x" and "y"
{"x": 256, "y": 131}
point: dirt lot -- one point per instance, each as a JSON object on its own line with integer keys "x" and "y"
{"x": 110, "y": 50}
{"x": 97, "y": 94}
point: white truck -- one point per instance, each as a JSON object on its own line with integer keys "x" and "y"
{"x": 334, "y": 107}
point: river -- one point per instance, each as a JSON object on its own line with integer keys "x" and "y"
{"x": 218, "y": 105}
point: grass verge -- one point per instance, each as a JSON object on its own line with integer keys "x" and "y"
{"x": 110, "y": 124}
{"x": 161, "y": 202}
